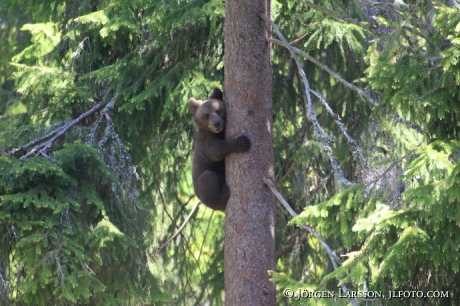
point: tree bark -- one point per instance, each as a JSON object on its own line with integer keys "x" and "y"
{"x": 250, "y": 213}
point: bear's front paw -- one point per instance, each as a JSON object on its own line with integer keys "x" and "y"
{"x": 243, "y": 143}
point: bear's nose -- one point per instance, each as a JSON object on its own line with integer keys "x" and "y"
{"x": 217, "y": 124}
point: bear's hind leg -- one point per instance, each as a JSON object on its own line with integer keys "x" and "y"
{"x": 211, "y": 191}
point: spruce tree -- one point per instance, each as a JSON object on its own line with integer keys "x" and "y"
{"x": 95, "y": 134}
{"x": 250, "y": 212}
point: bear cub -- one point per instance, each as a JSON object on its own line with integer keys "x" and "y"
{"x": 210, "y": 149}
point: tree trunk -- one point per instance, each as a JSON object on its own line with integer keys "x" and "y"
{"x": 250, "y": 212}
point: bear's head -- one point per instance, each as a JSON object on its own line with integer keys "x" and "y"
{"x": 209, "y": 115}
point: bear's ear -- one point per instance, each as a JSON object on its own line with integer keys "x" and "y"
{"x": 194, "y": 104}
{"x": 217, "y": 94}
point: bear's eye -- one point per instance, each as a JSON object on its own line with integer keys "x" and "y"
{"x": 218, "y": 112}
{"x": 206, "y": 117}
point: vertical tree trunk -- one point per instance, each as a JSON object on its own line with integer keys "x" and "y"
{"x": 250, "y": 212}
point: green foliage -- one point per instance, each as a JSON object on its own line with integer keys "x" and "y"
{"x": 90, "y": 215}
{"x": 421, "y": 83}
{"x": 58, "y": 234}
{"x": 400, "y": 241}
{"x": 44, "y": 38}
{"x": 81, "y": 226}
{"x": 423, "y": 233}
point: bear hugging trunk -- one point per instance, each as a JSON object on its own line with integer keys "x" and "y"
{"x": 210, "y": 149}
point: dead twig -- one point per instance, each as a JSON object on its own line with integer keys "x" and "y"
{"x": 324, "y": 138}
{"x": 40, "y": 149}
{"x": 179, "y": 229}
{"x": 335, "y": 260}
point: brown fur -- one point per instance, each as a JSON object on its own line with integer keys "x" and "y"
{"x": 210, "y": 149}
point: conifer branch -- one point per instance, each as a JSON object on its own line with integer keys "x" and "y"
{"x": 322, "y": 135}
{"x": 335, "y": 260}
{"x": 289, "y": 245}
{"x": 179, "y": 230}
{"x": 384, "y": 173}
{"x": 389, "y": 6}
{"x": 358, "y": 90}
{"x": 120, "y": 164}
{"x": 289, "y": 170}
{"x": 354, "y": 147}
{"x": 338, "y": 16}
{"x": 408, "y": 123}
{"x": 323, "y": 182}
{"x": 412, "y": 17}
{"x": 90, "y": 138}
{"x": 35, "y": 141}
{"x": 324, "y": 138}
{"x": 55, "y": 134}
{"x": 173, "y": 223}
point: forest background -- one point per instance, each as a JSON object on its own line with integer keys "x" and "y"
{"x": 95, "y": 135}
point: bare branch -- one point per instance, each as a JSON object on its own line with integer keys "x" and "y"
{"x": 338, "y": 16}
{"x": 42, "y": 148}
{"x": 408, "y": 123}
{"x": 299, "y": 235}
{"x": 395, "y": 163}
{"x": 324, "y": 138}
{"x": 179, "y": 229}
{"x": 91, "y": 136}
{"x": 375, "y": 5}
{"x": 355, "y": 148}
{"x": 322, "y": 135}
{"x": 358, "y": 90}
{"x": 361, "y": 92}
{"x": 36, "y": 141}
{"x": 336, "y": 260}
{"x": 120, "y": 164}
{"x": 323, "y": 182}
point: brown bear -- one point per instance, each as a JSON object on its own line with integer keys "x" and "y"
{"x": 210, "y": 149}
